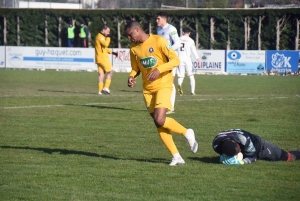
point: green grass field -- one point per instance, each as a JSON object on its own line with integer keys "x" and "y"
{"x": 59, "y": 140}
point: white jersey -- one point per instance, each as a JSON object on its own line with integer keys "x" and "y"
{"x": 169, "y": 32}
{"x": 187, "y": 47}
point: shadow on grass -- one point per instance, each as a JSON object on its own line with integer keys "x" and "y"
{"x": 101, "y": 107}
{"x": 84, "y": 153}
{"x": 214, "y": 159}
{"x": 63, "y": 91}
{"x": 131, "y": 91}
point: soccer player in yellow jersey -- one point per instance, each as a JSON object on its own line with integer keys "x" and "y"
{"x": 154, "y": 58}
{"x": 101, "y": 57}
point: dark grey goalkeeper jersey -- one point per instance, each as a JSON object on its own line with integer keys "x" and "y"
{"x": 249, "y": 143}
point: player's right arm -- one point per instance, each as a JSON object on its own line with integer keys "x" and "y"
{"x": 104, "y": 41}
{"x": 134, "y": 69}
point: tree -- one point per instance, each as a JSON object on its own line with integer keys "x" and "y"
{"x": 261, "y": 18}
{"x": 212, "y": 31}
{"x": 247, "y": 29}
{"x": 280, "y": 26}
{"x": 297, "y": 34}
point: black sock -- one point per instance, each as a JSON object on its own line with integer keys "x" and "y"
{"x": 296, "y": 153}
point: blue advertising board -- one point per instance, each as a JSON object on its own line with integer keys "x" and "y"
{"x": 245, "y": 61}
{"x": 282, "y": 61}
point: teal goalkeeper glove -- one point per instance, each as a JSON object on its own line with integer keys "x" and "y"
{"x": 230, "y": 160}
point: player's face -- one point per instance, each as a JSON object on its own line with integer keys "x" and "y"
{"x": 106, "y": 32}
{"x": 161, "y": 21}
{"x": 133, "y": 34}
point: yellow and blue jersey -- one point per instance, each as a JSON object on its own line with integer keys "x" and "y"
{"x": 154, "y": 53}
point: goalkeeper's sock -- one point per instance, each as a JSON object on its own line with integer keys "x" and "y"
{"x": 100, "y": 86}
{"x": 173, "y": 126}
{"x": 296, "y": 153}
{"x": 167, "y": 139}
{"x": 107, "y": 83}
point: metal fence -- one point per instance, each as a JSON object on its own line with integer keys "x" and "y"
{"x": 147, "y": 4}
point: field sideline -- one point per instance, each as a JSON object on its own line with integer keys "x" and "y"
{"x": 60, "y": 140}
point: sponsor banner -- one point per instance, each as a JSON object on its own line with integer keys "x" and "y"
{"x": 212, "y": 61}
{"x": 246, "y": 61}
{"x": 282, "y": 61}
{"x": 2, "y": 56}
{"x": 121, "y": 63}
{"x": 50, "y": 58}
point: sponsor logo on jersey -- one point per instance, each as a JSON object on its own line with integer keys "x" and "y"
{"x": 174, "y": 32}
{"x": 151, "y": 49}
{"x": 148, "y": 62}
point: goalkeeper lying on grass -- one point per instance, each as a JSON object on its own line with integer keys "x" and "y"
{"x": 229, "y": 143}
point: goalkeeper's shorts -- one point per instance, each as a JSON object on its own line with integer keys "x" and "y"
{"x": 271, "y": 152}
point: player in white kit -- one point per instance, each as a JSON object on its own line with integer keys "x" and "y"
{"x": 169, "y": 32}
{"x": 185, "y": 51}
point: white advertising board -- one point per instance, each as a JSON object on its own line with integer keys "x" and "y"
{"x": 212, "y": 61}
{"x": 27, "y": 4}
{"x": 50, "y": 58}
{"x": 121, "y": 63}
{"x": 246, "y": 61}
{"x": 2, "y": 56}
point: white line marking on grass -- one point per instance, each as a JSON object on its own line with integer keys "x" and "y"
{"x": 112, "y": 103}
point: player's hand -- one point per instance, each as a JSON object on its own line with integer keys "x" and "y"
{"x": 131, "y": 81}
{"x": 199, "y": 64}
{"x": 153, "y": 75}
{"x": 230, "y": 160}
{"x": 115, "y": 53}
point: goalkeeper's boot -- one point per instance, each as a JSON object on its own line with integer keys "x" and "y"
{"x": 180, "y": 91}
{"x": 106, "y": 91}
{"x": 190, "y": 136}
{"x": 177, "y": 161}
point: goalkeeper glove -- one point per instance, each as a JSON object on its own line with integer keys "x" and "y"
{"x": 230, "y": 160}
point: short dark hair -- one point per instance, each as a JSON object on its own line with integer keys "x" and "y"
{"x": 132, "y": 24}
{"x": 162, "y": 14}
{"x": 104, "y": 27}
{"x": 229, "y": 148}
{"x": 186, "y": 30}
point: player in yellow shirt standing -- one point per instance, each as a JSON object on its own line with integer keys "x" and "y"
{"x": 102, "y": 60}
{"x": 154, "y": 57}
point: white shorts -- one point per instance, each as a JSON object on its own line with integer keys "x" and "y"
{"x": 185, "y": 67}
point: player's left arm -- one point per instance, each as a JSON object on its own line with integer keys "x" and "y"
{"x": 194, "y": 52}
{"x": 170, "y": 54}
{"x": 109, "y": 51}
{"x": 86, "y": 32}
{"x": 175, "y": 38}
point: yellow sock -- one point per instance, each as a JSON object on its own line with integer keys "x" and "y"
{"x": 167, "y": 139}
{"x": 100, "y": 86}
{"x": 107, "y": 83}
{"x": 172, "y": 125}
